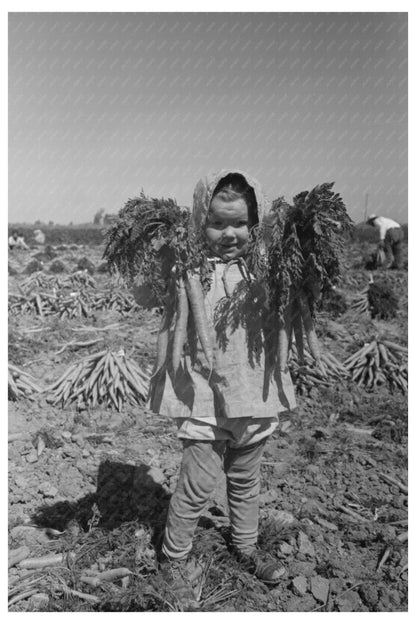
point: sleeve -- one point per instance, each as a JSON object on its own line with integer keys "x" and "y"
{"x": 21, "y": 243}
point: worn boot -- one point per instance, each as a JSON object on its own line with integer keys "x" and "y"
{"x": 180, "y": 576}
{"x": 262, "y": 564}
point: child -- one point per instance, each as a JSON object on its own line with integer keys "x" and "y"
{"x": 226, "y": 415}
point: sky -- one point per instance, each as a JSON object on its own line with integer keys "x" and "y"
{"x": 102, "y": 105}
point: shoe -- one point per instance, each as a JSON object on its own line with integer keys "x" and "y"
{"x": 263, "y": 565}
{"x": 179, "y": 576}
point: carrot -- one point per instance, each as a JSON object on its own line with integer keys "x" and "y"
{"x": 17, "y": 555}
{"x": 283, "y": 347}
{"x": 309, "y": 327}
{"x": 192, "y": 339}
{"x": 163, "y": 337}
{"x": 196, "y": 301}
{"x": 395, "y": 347}
{"x": 284, "y": 333}
{"x": 383, "y": 353}
{"x": 297, "y": 330}
{"x": 73, "y": 592}
{"x": 106, "y": 576}
{"x": 179, "y": 336}
{"x": 114, "y": 574}
{"x": 43, "y": 562}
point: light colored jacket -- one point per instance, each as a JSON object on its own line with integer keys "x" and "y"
{"x": 383, "y": 224}
{"x": 17, "y": 243}
{"x": 244, "y": 382}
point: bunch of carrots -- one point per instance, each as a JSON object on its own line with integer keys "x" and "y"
{"x": 39, "y": 280}
{"x": 104, "y": 377}
{"x": 20, "y": 384}
{"x": 360, "y": 302}
{"x": 377, "y": 363}
{"x": 308, "y": 376}
{"x": 114, "y": 299}
{"x": 38, "y": 303}
{"x": 75, "y": 305}
{"x": 297, "y": 260}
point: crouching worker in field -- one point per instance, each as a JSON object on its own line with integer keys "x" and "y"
{"x": 17, "y": 241}
{"x": 224, "y": 395}
{"x": 390, "y": 240}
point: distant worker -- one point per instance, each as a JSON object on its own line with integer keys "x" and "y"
{"x": 39, "y": 237}
{"x": 390, "y": 240}
{"x": 16, "y": 241}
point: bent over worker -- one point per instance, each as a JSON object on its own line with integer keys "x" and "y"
{"x": 390, "y": 240}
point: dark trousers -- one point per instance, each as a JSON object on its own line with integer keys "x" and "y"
{"x": 393, "y": 246}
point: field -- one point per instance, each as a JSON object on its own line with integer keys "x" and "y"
{"x": 89, "y": 486}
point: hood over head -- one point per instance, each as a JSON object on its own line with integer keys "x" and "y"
{"x": 205, "y": 189}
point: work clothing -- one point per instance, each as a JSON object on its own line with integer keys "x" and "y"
{"x": 391, "y": 237}
{"x": 383, "y": 224}
{"x": 393, "y": 247}
{"x": 17, "y": 243}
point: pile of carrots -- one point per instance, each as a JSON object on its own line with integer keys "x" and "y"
{"x": 377, "y": 363}
{"x": 20, "y": 384}
{"x": 105, "y": 378}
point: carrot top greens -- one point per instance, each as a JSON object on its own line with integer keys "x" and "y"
{"x": 149, "y": 238}
{"x": 293, "y": 259}
{"x": 299, "y": 248}
{"x": 306, "y": 246}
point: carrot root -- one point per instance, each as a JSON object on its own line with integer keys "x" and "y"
{"x": 163, "y": 338}
{"x": 298, "y": 333}
{"x": 197, "y": 305}
{"x": 309, "y": 326}
{"x": 179, "y": 337}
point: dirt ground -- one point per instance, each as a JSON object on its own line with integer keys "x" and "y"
{"x": 92, "y": 487}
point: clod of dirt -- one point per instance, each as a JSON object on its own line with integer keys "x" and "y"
{"x": 299, "y": 585}
{"x": 301, "y": 568}
{"x": 33, "y": 266}
{"x": 369, "y": 594}
{"x": 86, "y": 264}
{"x": 320, "y": 588}
{"x": 58, "y": 266}
{"x": 349, "y": 602}
{"x": 305, "y": 545}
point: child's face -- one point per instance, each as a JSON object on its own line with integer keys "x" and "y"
{"x": 228, "y": 228}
